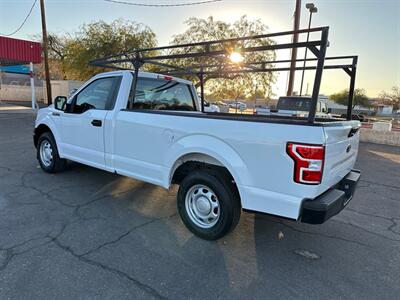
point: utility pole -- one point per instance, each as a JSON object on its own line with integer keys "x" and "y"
{"x": 45, "y": 53}
{"x": 296, "y": 25}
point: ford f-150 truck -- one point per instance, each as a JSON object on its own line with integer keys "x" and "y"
{"x": 224, "y": 163}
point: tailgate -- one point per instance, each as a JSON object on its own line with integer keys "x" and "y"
{"x": 341, "y": 150}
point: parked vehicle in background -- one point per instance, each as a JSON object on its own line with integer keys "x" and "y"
{"x": 208, "y": 107}
{"x": 223, "y": 107}
{"x": 221, "y": 103}
{"x": 72, "y": 92}
{"x": 155, "y": 132}
{"x": 358, "y": 117}
{"x": 238, "y": 105}
{"x": 295, "y": 106}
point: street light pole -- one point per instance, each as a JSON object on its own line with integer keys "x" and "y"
{"x": 296, "y": 26}
{"x": 313, "y": 9}
{"x": 45, "y": 53}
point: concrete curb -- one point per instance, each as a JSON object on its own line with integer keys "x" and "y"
{"x": 6, "y": 108}
{"x": 18, "y": 111}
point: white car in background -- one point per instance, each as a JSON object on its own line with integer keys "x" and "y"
{"x": 238, "y": 105}
{"x": 208, "y": 107}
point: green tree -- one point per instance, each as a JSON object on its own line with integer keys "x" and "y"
{"x": 234, "y": 85}
{"x": 392, "y": 97}
{"x": 57, "y": 46}
{"x": 360, "y": 98}
{"x": 97, "y": 40}
{"x": 69, "y": 55}
{"x": 57, "y": 52}
{"x": 100, "y": 39}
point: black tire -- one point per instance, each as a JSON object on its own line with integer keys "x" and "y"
{"x": 227, "y": 195}
{"x": 57, "y": 164}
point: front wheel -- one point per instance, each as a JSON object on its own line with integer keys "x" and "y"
{"x": 208, "y": 204}
{"x": 47, "y": 154}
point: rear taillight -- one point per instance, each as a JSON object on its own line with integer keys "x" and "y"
{"x": 308, "y": 162}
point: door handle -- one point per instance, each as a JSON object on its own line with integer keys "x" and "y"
{"x": 56, "y": 114}
{"x": 96, "y": 123}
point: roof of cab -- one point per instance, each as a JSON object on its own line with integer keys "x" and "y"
{"x": 144, "y": 75}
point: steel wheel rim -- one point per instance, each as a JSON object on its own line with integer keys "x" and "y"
{"x": 202, "y": 206}
{"x": 46, "y": 153}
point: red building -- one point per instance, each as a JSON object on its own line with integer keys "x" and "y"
{"x": 18, "y": 52}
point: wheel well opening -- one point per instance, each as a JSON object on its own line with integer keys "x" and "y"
{"x": 191, "y": 165}
{"x": 38, "y": 132}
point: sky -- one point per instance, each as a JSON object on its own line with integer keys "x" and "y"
{"x": 369, "y": 29}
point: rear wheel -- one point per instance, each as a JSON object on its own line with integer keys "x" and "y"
{"x": 47, "y": 154}
{"x": 208, "y": 204}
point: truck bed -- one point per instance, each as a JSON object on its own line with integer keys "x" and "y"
{"x": 292, "y": 120}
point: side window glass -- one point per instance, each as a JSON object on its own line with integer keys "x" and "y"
{"x": 97, "y": 95}
{"x": 163, "y": 95}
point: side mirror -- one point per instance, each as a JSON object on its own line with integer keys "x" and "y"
{"x": 206, "y": 104}
{"x": 60, "y": 103}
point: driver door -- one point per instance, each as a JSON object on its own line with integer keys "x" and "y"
{"x": 82, "y": 130}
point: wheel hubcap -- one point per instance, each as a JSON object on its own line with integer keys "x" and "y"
{"x": 46, "y": 153}
{"x": 202, "y": 206}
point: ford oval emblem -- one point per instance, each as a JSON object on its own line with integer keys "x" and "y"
{"x": 348, "y": 148}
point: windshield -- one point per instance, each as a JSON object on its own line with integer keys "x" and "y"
{"x": 294, "y": 103}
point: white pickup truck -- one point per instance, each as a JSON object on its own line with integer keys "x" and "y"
{"x": 224, "y": 163}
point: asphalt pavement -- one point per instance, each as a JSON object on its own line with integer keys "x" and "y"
{"x": 89, "y": 234}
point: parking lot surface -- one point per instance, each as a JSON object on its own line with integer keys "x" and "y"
{"x": 86, "y": 233}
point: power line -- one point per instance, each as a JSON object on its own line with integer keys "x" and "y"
{"x": 163, "y": 5}
{"x": 23, "y": 23}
